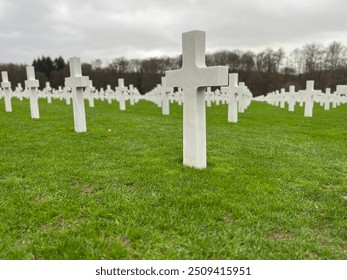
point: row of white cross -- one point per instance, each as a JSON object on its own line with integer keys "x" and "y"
{"x": 307, "y": 97}
{"x": 192, "y": 81}
{"x": 64, "y": 93}
{"x": 236, "y": 95}
{"x": 31, "y": 92}
{"x": 192, "y": 78}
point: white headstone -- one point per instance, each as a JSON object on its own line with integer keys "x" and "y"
{"x": 32, "y": 84}
{"x": 90, "y": 94}
{"x": 209, "y": 94}
{"x": 132, "y": 94}
{"x": 309, "y": 94}
{"x": 193, "y": 78}
{"x": 232, "y": 91}
{"x": 48, "y": 91}
{"x": 327, "y": 99}
{"x": 291, "y": 99}
{"x": 77, "y": 82}
{"x": 282, "y": 98}
{"x": 242, "y": 97}
{"x": 121, "y": 89}
{"x": 165, "y": 108}
{"x": 6, "y": 86}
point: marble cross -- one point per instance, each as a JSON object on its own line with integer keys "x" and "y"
{"x": 6, "y": 85}
{"x": 48, "y": 91}
{"x": 32, "y": 84}
{"x": 121, "y": 89}
{"x": 89, "y": 91}
{"x": 165, "y": 107}
{"x": 242, "y": 97}
{"x": 283, "y": 98}
{"x": 232, "y": 92}
{"x": 193, "y": 78}
{"x": 291, "y": 98}
{"x": 76, "y": 82}
{"x": 309, "y": 94}
{"x": 132, "y": 94}
{"x": 327, "y": 99}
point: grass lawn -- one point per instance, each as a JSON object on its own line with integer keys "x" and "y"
{"x": 275, "y": 186}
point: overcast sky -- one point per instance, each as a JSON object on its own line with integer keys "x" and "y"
{"x": 107, "y": 29}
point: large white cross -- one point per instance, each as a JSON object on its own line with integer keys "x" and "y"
{"x": 308, "y": 96}
{"x": 32, "y": 84}
{"x": 77, "y": 82}
{"x": 122, "y": 90}
{"x": 193, "y": 78}
{"x": 232, "y": 91}
{"x": 6, "y": 85}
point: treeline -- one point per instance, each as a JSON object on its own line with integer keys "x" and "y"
{"x": 262, "y": 72}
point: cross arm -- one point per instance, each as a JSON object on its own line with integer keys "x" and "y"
{"x": 214, "y": 76}
{"x": 76, "y": 82}
{"x": 198, "y": 76}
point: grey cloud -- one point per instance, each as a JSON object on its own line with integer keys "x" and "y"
{"x": 108, "y": 29}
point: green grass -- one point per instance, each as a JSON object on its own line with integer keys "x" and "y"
{"x": 275, "y": 186}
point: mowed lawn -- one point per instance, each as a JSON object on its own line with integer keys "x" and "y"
{"x": 275, "y": 186}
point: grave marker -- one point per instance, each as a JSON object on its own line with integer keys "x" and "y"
{"x": 132, "y": 94}
{"x": 309, "y": 94}
{"x": 48, "y": 91}
{"x": 6, "y": 86}
{"x": 291, "y": 99}
{"x": 232, "y": 92}
{"x": 327, "y": 99}
{"x": 121, "y": 89}
{"x": 193, "y": 78}
{"x": 90, "y": 94}
{"x": 77, "y": 82}
{"x": 165, "y": 108}
{"x": 32, "y": 84}
{"x": 282, "y": 98}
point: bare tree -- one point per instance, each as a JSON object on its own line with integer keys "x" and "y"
{"x": 335, "y": 56}
{"x": 314, "y": 57}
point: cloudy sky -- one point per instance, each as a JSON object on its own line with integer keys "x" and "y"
{"x": 107, "y": 29}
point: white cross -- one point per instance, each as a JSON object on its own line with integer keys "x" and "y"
{"x": 232, "y": 91}
{"x": 89, "y": 91}
{"x": 341, "y": 90}
{"x": 193, "y": 78}
{"x": 308, "y": 97}
{"x": 32, "y": 84}
{"x": 179, "y": 96}
{"x": 121, "y": 89}
{"x": 132, "y": 94}
{"x": 48, "y": 91}
{"x": 109, "y": 94}
{"x": 6, "y": 85}
{"x": 164, "y": 90}
{"x": 327, "y": 99}
{"x": 292, "y": 98}
{"x": 208, "y": 95}
{"x": 77, "y": 82}
{"x": 242, "y": 97}
{"x": 282, "y": 98}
